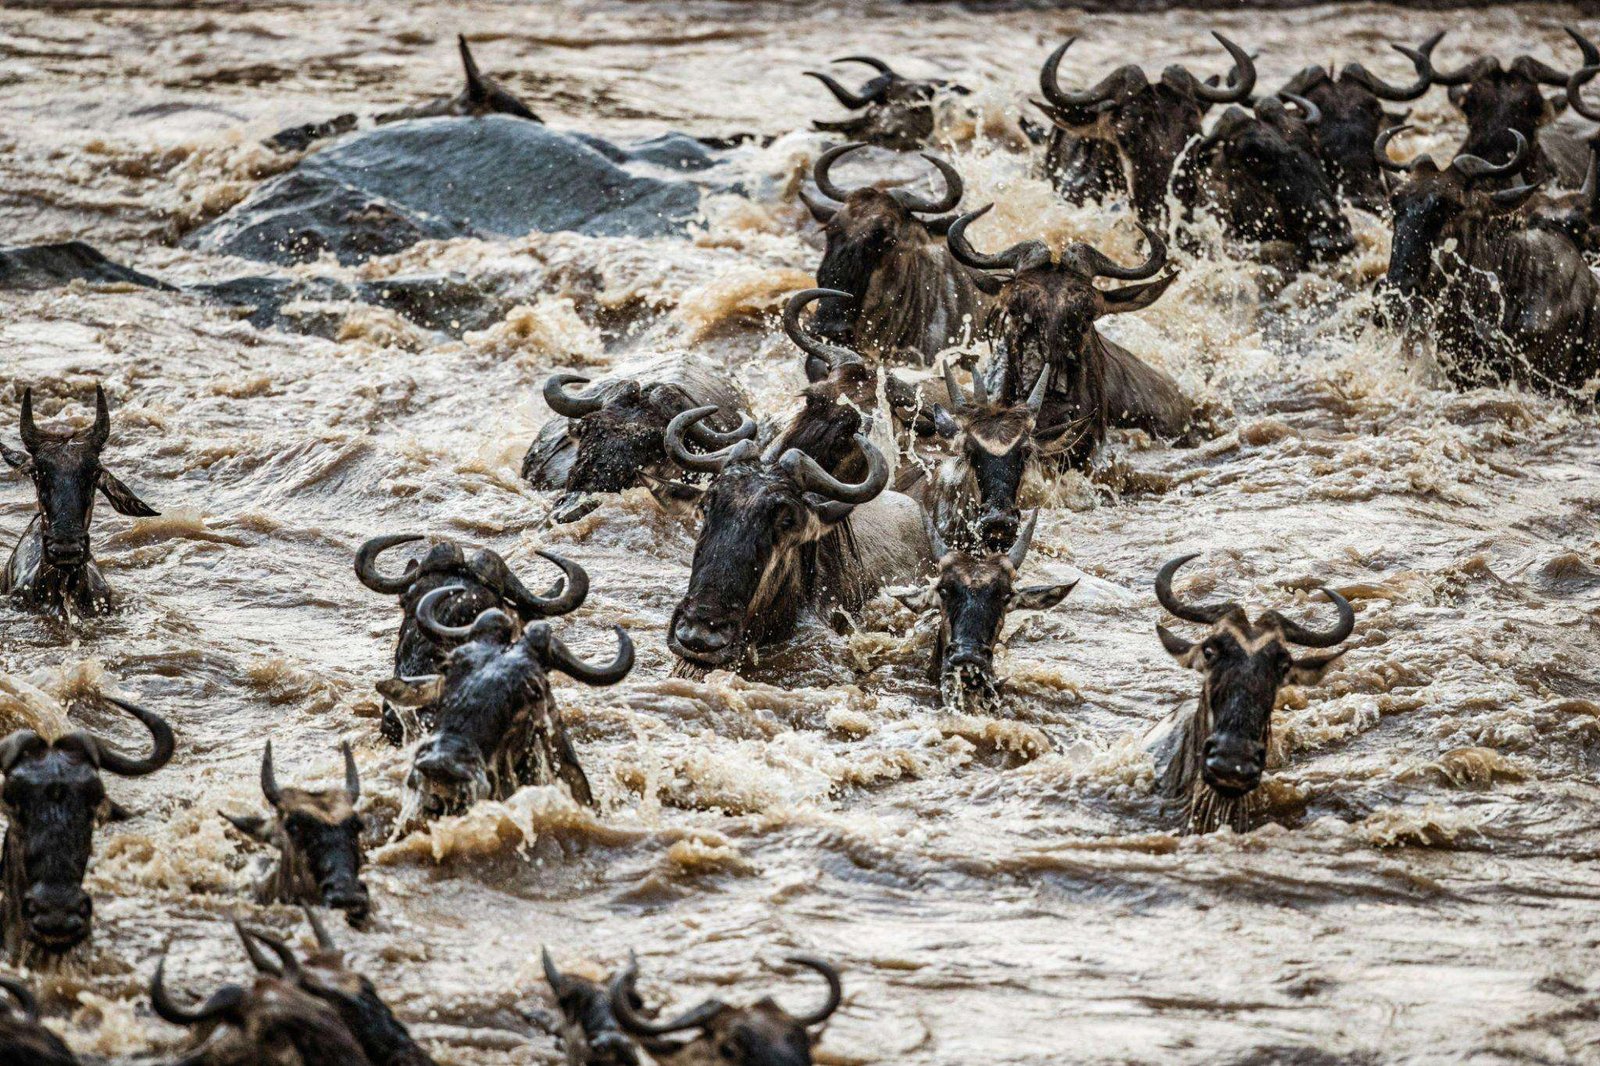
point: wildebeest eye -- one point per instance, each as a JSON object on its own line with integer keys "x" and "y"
{"x": 729, "y": 1051}
{"x": 1209, "y": 652}
{"x": 788, "y": 520}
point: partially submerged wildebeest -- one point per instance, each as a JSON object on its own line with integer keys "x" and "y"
{"x": 1500, "y": 101}
{"x": 973, "y": 592}
{"x": 24, "y": 1041}
{"x": 780, "y": 538}
{"x": 1125, "y": 135}
{"x": 895, "y": 112}
{"x": 1219, "y": 754}
{"x": 1351, "y": 104}
{"x": 1505, "y": 300}
{"x": 317, "y": 835}
{"x": 53, "y": 799}
{"x": 481, "y": 95}
{"x": 497, "y": 725}
{"x": 762, "y": 1034}
{"x": 488, "y": 582}
{"x": 1043, "y": 323}
{"x": 52, "y": 567}
{"x": 608, "y": 437}
{"x": 590, "y": 1033}
{"x": 910, "y": 299}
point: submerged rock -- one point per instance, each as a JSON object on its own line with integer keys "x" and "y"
{"x": 378, "y": 191}
{"x": 43, "y": 266}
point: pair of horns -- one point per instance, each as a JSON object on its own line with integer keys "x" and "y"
{"x": 488, "y": 568}
{"x": 980, "y": 391}
{"x": 1211, "y": 613}
{"x": 26, "y": 741}
{"x": 953, "y": 187}
{"x": 560, "y": 398}
{"x": 1473, "y": 168}
{"x": 1536, "y": 69}
{"x": 1085, "y": 258}
{"x": 870, "y": 93}
{"x": 795, "y": 463}
{"x": 98, "y": 433}
{"x": 494, "y": 626}
{"x": 1243, "y": 81}
{"x": 274, "y": 794}
{"x": 622, "y": 999}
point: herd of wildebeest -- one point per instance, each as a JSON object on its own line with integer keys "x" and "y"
{"x": 805, "y": 521}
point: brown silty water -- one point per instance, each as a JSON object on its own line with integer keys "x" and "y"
{"x": 1000, "y": 889}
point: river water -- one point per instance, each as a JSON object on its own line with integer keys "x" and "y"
{"x": 1004, "y": 889}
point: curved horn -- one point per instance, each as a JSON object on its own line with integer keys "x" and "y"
{"x": 291, "y": 965}
{"x": 843, "y": 95}
{"x": 367, "y": 564}
{"x": 980, "y": 388}
{"x": 257, "y": 957}
{"x": 31, "y": 437}
{"x": 1104, "y": 267}
{"x": 956, "y": 241}
{"x": 1421, "y": 59}
{"x": 1311, "y": 638}
{"x": 225, "y": 1001}
{"x": 622, "y": 1006}
{"x": 1050, "y": 83}
{"x": 564, "y": 597}
{"x": 558, "y": 656}
{"x": 706, "y": 463}
{"x": 269, "y": 780}
{"x": 1019, "y": 549}
{"x": 707, "y": 437}
{"x": 429, "y": 623}
{"x": 812, "y": 478}
{"x": 352, "y": 774}
{"x": 819, "y": 170}
{"x": 1312, "y": 113}
{"x": 1575, "y": 85}
{"x": 1476, "y": 168}
{"x": 24, "y": 997}
{"x": 1244, "y": 83}
{"x": 13, "y": 746}
{"x": 834, "y": 355}
{"x": 1380, "y": 151}
{"x": 872, "y": 61}
{"x": 476, "y": 89}
{"x": 952, "y": 386}
{"x": 163, "y": 744}
{"x": 100, "y": 432}
{"x": 1205, "y": 613}
{"x": 562, "y": 402}
{"x": 953, "y": 188}
{"x": 835, "y": 990}
{"x": 1459, "y": 76}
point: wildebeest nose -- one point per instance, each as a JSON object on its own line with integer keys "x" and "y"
{"x": 703, "y": 636}
{"x": 57, "y": 912}
{"x": 1233, "y": 765}
{"x": 445, "y": 766}
{"x": 66, "y": 549}
{"x": 351, "y": 898}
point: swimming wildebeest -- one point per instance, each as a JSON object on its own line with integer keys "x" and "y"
{"x": 781, "y": 538}
{"x": 1351, "y": 103}
{"x": 1506, "y": 301}
{"x": 1221, "y": 751}
{"x": 53, "y": 798}
{"x": 1043, "y": 323}
{"x": 488, "y": 582}
{"x": 1498, "y": 102}
{"x": 608, "y": 437}
{"x": 317, "y": 835}
{"x": 497, "y": 725}
{"x": 590, "y": 1034}
{"x": 896, "y": 112}
{"x": 1125, "y": 135}
{"x": 910, "y": 299}
{"x": 762, "y": 1034}
{"x": 52, "y": 567}
{"x": 973, "y": 592}
{"x": 24, "y": 1041}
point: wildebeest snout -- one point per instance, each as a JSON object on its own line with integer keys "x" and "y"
{"x": 449, "y": 760}
{"x": 1233, "y": 765}
{"x": 58, "y": 914}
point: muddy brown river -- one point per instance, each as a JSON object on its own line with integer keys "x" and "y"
{"x": 1425, "y": 887}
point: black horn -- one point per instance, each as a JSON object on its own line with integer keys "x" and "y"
{"x": 352, "y": 775}
{"x": 1019, "y": 549}
{"x": 812, "y": 478}
{"x": 367, "y": 564}
{"x": 953, "y": 189}
{"x": 1421, "y": 59}
{"x": 1380, "y": 151}
{"x": 269, "y": 779}
{"x": 956, "y": 240}
{"x": 820, "y": 170}
{"x": 100, "y": 432}
{"x": 557, "y": 656}
{"x": 1205, "y": 613}
{"x": 572, "y": 405}
{"x": 163, "y": 744}
{"x": 1103, "y": 266}
{"x": 1242, "y": 83}
{"x": 833, "y": 354}
{"x": 1311, "y": 638}
{"x": 709, "y": 462}
{"x": 1311, "y": 114}
{"x": 224, "y": 1003}
{"x": 1476, "y": 168}
{"x": 835, "y": 989}
{"x": 1050, "y": 83}
{"x": 1575, "y": 85}
{"x": 622, "y": 995}
{"x": 31, "y": 437}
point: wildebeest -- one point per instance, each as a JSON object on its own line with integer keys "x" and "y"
{"x": 1221, "y": 751}
{"x": 608, "y": 437}
{"x": 1500, "y": 101}
{"x": 780, "y": 537}
{"x": 1351, "y": 104}
{"x": 53, "y": 798}
{"x": 1126, "y": 135}
{"x": 762, "y": 1034}
{"x": 488, "y": 582}
{"x": 895, "y": 112}
{"x": 973, "y": 592}
{"x": 1506, "y": 301}
{"x": 52, "y": 567}
{"x": 317, "y": 835}
{"x": 24, "y": 1041}
{"x": 497, "y": 725}
{"x": 909, "y": 298}
{"x": 1043, "y": 323}
{"x": 590, "y": 1034}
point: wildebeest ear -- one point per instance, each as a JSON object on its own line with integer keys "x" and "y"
{"x": 1457, "y": 94}
{"x": 1557, "y": 102}
{"x": 411, "y": 691}
{"x": 1308, "y": 669}
{"x": 673, "y": 497}
{"x": 1042, "y": 597}
{"x": 941, "y": 225}
{"x": 946, "y": 426}
{"x": 828, "y": 512}
{"x": 1182, "y": 650}
{"x": 1134, "y": 297}
{"x": 16, "y": 460}
{"x": 253, "y": 826}
{"x": 917, "y": 597}
{"x": 122, "y": 499}
{"x": 111, "y": 812}
{"x": 987, "y": 284}
{"x": 816, "y": 368}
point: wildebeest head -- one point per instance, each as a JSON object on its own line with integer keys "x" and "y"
{"x": 481, "y": 95}
{"x": 1261, "y": 170}
{"x": 318, "y": 838}
{"x": 1148, "y": 123}
{"x": 497, "y": 724}
{"x": 1576, "y": 213}
{"x": 974, "y": 592}
{"x": 1243, "y": 664}
{"x": 873, "y": 230}
{"x": 591, "y": 1034}
{"x": 66, "y": 472}
{"x": 761, "y": 521}
{"x": 896, "y": 112}
{"x": 1432, "y": 198}
{"x": 53, "y": 797}
{"x": 993, "y": 442}
{"x": 762, "y": 1034}
{"x": 24, "y": 1040}
{"x": 1353, "y": 115}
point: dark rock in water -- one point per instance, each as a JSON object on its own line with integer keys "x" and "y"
{"x": 299, "y": 138}
{"x": 44, "y": 266}
{"x": 447, "y": 303}
{"x": 378, "y": 191}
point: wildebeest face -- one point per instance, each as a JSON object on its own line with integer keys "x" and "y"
{"x": 994, "y": 443}
{"x": 896, "y": 112}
